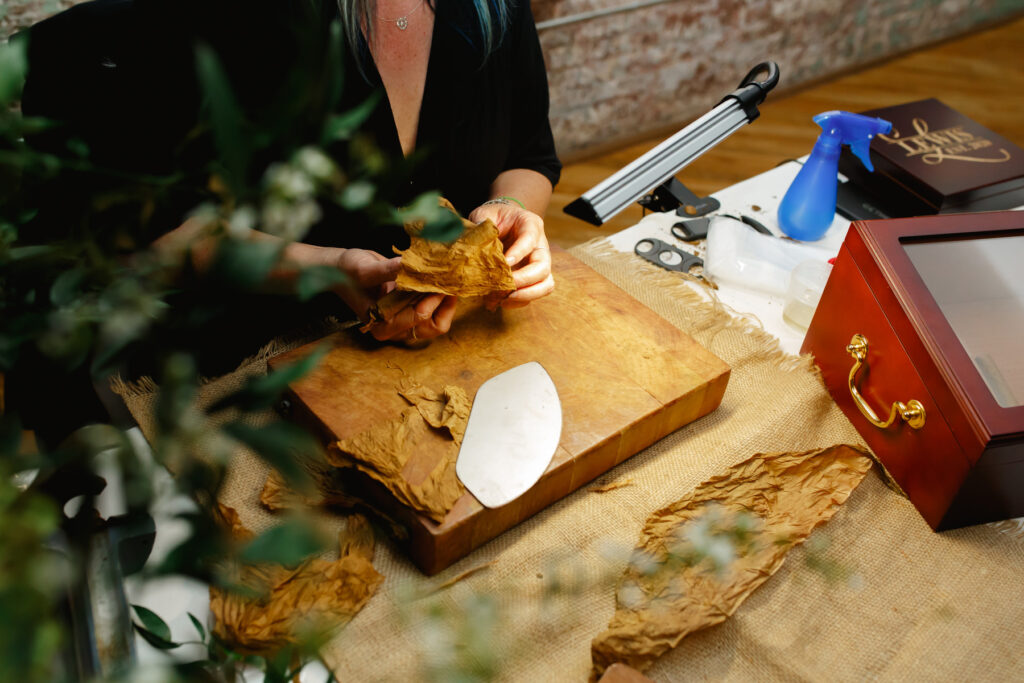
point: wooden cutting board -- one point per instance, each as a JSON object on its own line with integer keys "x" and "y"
{"x": 625, "y": 377}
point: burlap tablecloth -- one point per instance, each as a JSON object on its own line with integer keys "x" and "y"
{"x": 875, "y": 594}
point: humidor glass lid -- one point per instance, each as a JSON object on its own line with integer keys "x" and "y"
{"x": 978, "y": 284}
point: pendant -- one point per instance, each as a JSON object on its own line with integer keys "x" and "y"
{"x": 402, "y": 23}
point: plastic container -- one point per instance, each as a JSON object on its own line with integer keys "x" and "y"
{"x": 738, "y": 254}
{"x": 806, "y": 283}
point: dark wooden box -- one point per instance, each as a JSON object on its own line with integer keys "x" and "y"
{"x": 934, "y": 306}
{"x": 936, "y": 160}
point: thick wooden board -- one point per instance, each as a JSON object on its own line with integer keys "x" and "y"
{"x": 625, "y": 378}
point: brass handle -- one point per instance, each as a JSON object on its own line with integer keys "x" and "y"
{"x": 911, "y": 412}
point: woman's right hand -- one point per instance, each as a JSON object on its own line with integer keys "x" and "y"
{"x": 371, "y": 276}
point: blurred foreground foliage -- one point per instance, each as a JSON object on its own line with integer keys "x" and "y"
{"x": 83, "y": 303}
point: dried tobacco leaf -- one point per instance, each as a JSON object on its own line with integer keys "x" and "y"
{"x": 605, "y": 488}
{"x": 435, "y": 423}
{"x": 679, "y": 581}
{"x": 228, "y": 517}
{"x": 382, "y": 452}
{"x": 388, "y": 306}
{"x": 446, "y": 409}
{"x": 284, "y": 605}
{"x": 472, "y": 265}
{"x": 277, "y": 495}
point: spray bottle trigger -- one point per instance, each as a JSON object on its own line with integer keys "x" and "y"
{"x": 862, "y": 148}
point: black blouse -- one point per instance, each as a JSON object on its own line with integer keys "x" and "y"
{"x": 121, "y": 73}
{"x": 476, "y": 120}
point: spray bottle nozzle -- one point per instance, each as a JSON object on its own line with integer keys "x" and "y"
{"x": 854, "y": 130}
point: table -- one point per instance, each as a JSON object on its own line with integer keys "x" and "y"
{"x": 759, "y": 198}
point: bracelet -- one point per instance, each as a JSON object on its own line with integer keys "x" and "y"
{"x": 504, "y": 200}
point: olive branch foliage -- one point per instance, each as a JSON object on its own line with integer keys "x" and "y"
{"x": 84, "y": 301}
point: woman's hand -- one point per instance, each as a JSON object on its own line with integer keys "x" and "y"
{"x": 425, "y": 317}
{"x": 526, "y": 249}
{"x": 371, "y": 276}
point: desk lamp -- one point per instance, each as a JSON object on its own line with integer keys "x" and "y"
{"x": 653, "y": 172}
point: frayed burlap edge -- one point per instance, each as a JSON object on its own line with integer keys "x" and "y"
{"x": 144, "y": 385}
{"x": 709, "y": 316}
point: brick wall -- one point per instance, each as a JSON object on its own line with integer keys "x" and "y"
{"x": 621, "y": 76}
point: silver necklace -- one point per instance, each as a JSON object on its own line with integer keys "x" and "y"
{"x": 402, "y": 22}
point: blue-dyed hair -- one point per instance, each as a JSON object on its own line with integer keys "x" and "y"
{"x": 485, "y": 23}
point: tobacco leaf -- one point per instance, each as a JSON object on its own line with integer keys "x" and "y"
{"x": 679, "y": 581}
{"x": 435, "y": 423}
{"x": 283, "y": 605}
{"x": 472, "y": 265}
{"x": 447, "y": 409}
{"x": 605, "y": 488}
{"x": 278, "y": 496}
{"x": 229, "y": 518}
{"x": 382, "y": 452}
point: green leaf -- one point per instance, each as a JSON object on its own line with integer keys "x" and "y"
{"x": 10, "y": 436}
{"x": 225, "y": 117}
{"x": 439, "y": 223}
{"x": 18, "y": 253}
{"x": 335, "y": 73}
{"x": 78, "y": 147}
{"x": 12, "y": 71}
{"x": 67, "y": 287}
{"x": 153, "y": 624}
{"x": 178, "y": 382}
{"x": 425, "y": 207}
{"x": 288, "y": 544}
{"x": 282, "y": 445}
{"x": 155, "y": 640}
{"x": 317, "y": 279}
{"x": 343, "y": 126}
{"x": 446, "y": 228}
{"x": 199, "y": 626}
{"x": 263, "y": 391}
{"x": 244, "y": 264}
{"x": 357, "y": 195}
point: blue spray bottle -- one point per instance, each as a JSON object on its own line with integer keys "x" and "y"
{"x": 807, "y": 210}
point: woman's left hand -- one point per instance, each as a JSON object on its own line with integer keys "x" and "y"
{"x": 526, "y": 250}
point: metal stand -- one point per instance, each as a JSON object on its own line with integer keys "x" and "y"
{"x": 672, "y": 195}
{"x": 653, "y": 171}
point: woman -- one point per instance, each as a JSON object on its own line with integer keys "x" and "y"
{"x": 465, "y": 102}
{"x": 466, "y": 94}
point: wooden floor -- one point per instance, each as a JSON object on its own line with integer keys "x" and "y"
{"x": 980, "y": 75}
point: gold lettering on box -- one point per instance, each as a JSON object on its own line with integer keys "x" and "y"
{"x": 936, "y": 146}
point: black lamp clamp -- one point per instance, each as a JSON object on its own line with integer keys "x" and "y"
{"x": 673, "y": 195}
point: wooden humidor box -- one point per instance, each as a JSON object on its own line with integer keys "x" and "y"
{"x": 940, "y": 303}
{"x": 936, "y": 160}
